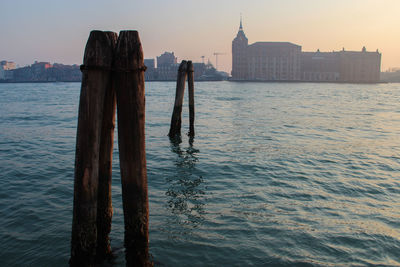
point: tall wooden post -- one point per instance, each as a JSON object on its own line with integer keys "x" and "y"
{"x": 190, "y": 71}
{"x": 95, "y": 82}
{"x": 176, "y": 119}
{"x": 129, "y": 85}
{"x": 104, "y": 200}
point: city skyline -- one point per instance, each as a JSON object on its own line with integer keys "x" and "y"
{"x": 57, "y": 32}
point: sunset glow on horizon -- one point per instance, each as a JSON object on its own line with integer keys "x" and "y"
{"x": 52, "y": 31}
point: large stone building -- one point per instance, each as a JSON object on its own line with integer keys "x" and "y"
{"x": 264, "y": 61}
{"x": 342, "y": 66}
{"x": 283, "y": 61}
{"x": 239, "y": 55}
{"x": 360, "y": 66}
{"x": 320, "y": 66}
{"x": 273, "y": 61}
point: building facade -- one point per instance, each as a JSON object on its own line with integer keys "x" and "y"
{"x": 320, "y": 66}
{"x": 284, "y": 61}
{"x": 150, "y": 63}
{"x": 239, "y": 55}
{"x": 273, "y": 61}
{"x": 167, "y": 69}
{"x": 150, "y": 69}
{"x": 166, "y": 59}
{"x": 364, "y": 67}
{"x": 264, "y": 61}
{"x": 44, "y": 72}
{"x": 6, "y": 68}
{"x": 7, "y": 65}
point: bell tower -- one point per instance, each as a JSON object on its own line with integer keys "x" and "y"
{"x": 239, "y": 55}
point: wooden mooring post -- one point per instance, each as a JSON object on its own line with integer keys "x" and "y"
{"x": 113, "y": 74}
{"x": 129, "y": 84}
{"x": 104, "y": 200}
{"x": 190, "y": 73}
{"x": 176, "y": 119}
{"x": 96, "y": 81}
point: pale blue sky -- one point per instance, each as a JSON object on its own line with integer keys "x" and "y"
{"x": 56, "y": 31}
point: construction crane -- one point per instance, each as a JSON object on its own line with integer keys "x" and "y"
{"x": 216, "y": 54}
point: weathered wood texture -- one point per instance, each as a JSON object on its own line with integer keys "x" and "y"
{"x": 104, "y": 200}
{"x": 190, "y": 71}
{"x": 129, "y": 84}
{"x": 176, "y": 119}
{"x": 95, "y": 82}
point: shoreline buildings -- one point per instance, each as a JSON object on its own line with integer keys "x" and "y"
{"x": 39, "y": 72}
{"x": 6, "y": 68}
{"x": 167, "y": 69}
{"x": 284, "y": 61}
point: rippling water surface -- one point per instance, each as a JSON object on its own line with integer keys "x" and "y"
{"x": 278, "y": 174}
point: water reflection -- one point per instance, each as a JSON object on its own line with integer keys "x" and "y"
{"x": 185, "y": 191}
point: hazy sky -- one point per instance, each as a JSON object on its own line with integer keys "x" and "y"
{"x": 57, "y": 31}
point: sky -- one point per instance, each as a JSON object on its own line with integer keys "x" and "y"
{"x": 56, "y": 31}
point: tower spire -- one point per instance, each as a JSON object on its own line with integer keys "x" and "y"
{"x": 241, "y": 26}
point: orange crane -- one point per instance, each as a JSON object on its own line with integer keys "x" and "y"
{"x": 216, "y": 54}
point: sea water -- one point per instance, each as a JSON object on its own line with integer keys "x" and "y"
{"x": 278, "y": 174}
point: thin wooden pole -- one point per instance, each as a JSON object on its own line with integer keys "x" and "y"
{"x": 104, "y": 200}
{"x": 129, "y": 85}
{"x": 190, "y": 71}
{"x": 176, "y": 119}
{"x": 95, "y": 80}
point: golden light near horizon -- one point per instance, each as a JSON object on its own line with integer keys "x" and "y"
{"x": 323, "y": 25}
{"x": 196, "y": 29}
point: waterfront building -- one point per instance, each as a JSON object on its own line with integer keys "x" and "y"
{"x": 392, "y": 75}
{"x": 9, "y": 74}
{"x": 149, "y": 63}
{"x": 273, "y": 61}
{"x": 7, "y": 65}
{"x": 6, "y": 68}
{"x": 265, "y": 61}
{"x": 35, "y": 72}
{"x": 239, "y": 55}
{"x": 363, "y": 67}
{"x": 46, "y": 72}
{"x": 150, "y": 73}
{"x": 320, "y": 66}
{"x": 167, "y": 72}
{"x": 284, "y": 61}
{"x": 341, "y": 66}
{"x": 166, "y": 59}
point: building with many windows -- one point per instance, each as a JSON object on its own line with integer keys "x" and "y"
{"x": 284, "y": 61}
{"x": 273, "y": 61}
{"x": 320, "y": 66}
{"x": 264, "y": 61}
{"x": 360, "y": 66}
